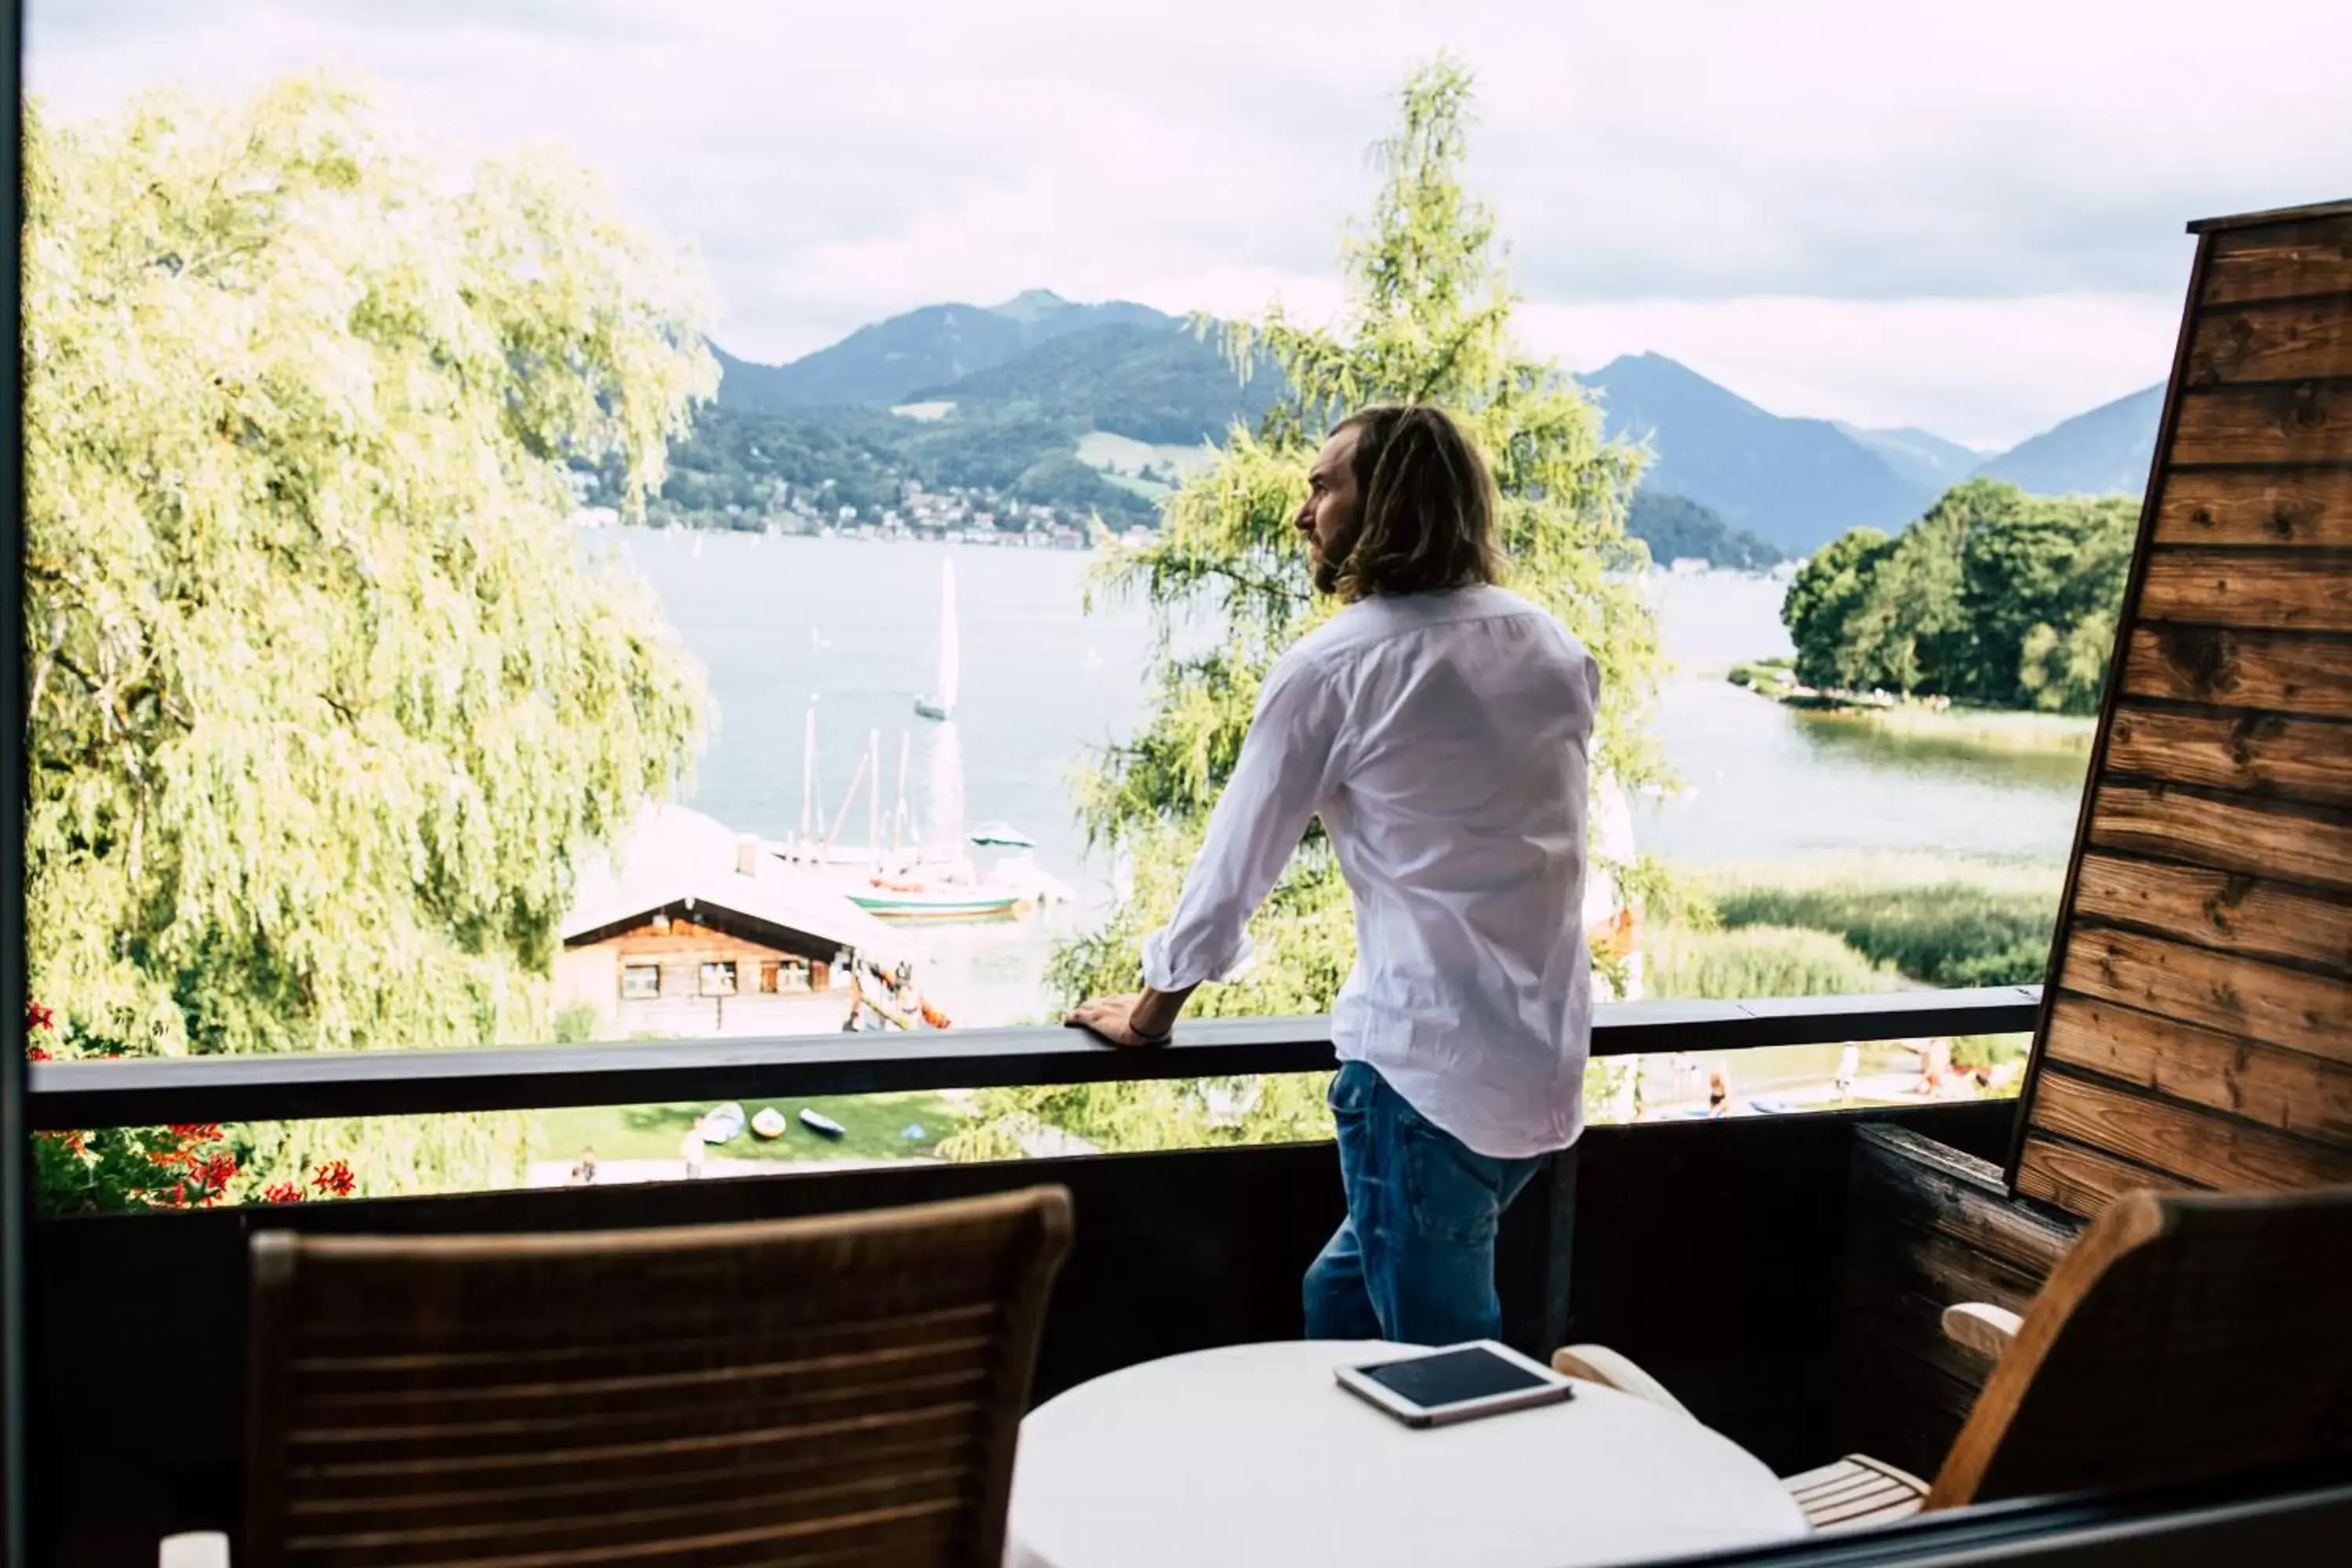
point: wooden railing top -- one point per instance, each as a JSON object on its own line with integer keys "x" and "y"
{"x": 296, "y": 1085}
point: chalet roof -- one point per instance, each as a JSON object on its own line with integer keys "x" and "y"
{"x": 2312, "y": 213}
{"x": 671, "y": 854}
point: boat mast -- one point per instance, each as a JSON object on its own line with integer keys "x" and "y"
{"x": 846, "y": 801}
{"x": 873, "y": 797}
{"x": 951, "y": 649}
{"x": 808, "y": 769}
{"x": 898, "y": 812}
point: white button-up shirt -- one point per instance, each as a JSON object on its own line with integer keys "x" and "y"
{"x": 1442, "y": 739}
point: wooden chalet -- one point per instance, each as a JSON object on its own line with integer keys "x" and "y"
{"x": 693, "y": 930}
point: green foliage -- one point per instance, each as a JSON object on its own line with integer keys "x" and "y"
{"x": 2064, "y": 672}
{"x": 1994, "y": 596}
{"x": 1660, "y": 895}
{"x": 1428, "y": 320}
{"x": 321, "y": 696}
{"x": 1947, "y": 934}
{"x": 1822, "y": 598}
{"x": 1972, "y": 1051}
{"x": 1068, "y": 486}
{"x": 1755, "y": 961}
{"x": 1771, "y": 677}
{"x": 1940, "y": 923}
{"x": 1677, "y": 527}
{"x": 574, "y": 1025}
{"x": 117, "y": 1170}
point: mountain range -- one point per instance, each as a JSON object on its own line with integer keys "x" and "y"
{"x": 1039, "y": 362}
{"x": 2107, "y": 452}
{"x": 890, "y": 361}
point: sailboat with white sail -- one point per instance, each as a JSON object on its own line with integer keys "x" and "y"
{"x": 940, "y": 702}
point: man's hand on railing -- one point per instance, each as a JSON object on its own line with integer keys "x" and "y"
{"x": 1130, "y": 1021}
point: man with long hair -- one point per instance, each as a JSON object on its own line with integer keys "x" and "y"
{"x": 1439, "y": 726}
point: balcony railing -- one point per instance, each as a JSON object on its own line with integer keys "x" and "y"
{"x": 1711, "y": 1251}
{"x": 526, "y": 1078}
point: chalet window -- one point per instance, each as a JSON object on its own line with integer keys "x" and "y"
{"x": 718, "y": 979}
{"x": 792, "y": 975}
{"x": 640, "y": 982}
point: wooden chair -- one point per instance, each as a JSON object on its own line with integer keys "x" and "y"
{"x": 844, "y": 1390}
{"x": 2184, "y": 1337}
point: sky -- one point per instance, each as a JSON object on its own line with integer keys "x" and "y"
{"x": 1965, "y": 217}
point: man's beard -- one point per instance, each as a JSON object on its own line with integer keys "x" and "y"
{"x": 1329, "y": 563}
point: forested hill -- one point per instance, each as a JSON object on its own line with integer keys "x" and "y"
{"x": 1676, "y": 528}
{"x": 890, "y": 361}
{"x": 1157, "y": 383}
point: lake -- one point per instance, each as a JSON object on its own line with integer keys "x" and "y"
{"x": 775, "y": 620}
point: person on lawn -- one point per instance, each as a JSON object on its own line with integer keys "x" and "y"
{"x": 1440, "y": 727}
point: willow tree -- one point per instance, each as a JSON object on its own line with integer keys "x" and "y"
{"x": 1428, "y": 320}
{"x": 322, "y": 697}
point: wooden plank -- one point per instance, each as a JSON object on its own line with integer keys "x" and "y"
{"x": 2257, "y": 753}
{"x": 2082, "y": 1181}
{"x": 2183, "y": 1140}
{"x": 2273, "y": 507}
{"x": 2305, "y": 1095}
{"x": 1926, "y": 1225}
{"x": 2279, "y": 261}
{"x": 2281, "y": 340}
{"x": 1913, "y": 1180}
{"x": 2229, "y": 911}
{"x": 2280, "y": 672}
{"x": 2285, "y": 843}
{"x": 2293, "y": 422}
{"x": 2287, "y": 1007}
{"x": 2279, "y": 590}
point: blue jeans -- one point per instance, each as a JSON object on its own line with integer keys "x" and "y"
{"x": 1415, "y": 1260}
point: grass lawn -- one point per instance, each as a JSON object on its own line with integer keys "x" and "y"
{"x": 873, "y": 1123}
{"x": 1124, "y": 455}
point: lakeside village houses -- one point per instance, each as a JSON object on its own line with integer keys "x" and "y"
{"x": 693, "y": 929}
{"x": 955, "y": 516}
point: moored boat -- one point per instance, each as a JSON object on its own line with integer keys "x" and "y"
{"x": 914, "y": 898}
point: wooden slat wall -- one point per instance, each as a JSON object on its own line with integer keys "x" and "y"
{"x": 1926, "y": 1225}
{"x": 2198, "y": 1030}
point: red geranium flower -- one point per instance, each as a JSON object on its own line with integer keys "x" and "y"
{"x": 40, "y": 1017}
{"x": 281, "y": 1193}
{"x": 34, "y": 1053}
{"x": 195, "y": 1131}
{"x": 335, "y": 1177}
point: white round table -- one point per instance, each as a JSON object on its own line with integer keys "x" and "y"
{"x": 1254, "y": 1455}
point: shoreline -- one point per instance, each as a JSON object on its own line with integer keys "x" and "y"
{"x": 1936, "y": 719}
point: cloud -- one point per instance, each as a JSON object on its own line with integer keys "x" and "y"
{"x": 1701, "y": 167}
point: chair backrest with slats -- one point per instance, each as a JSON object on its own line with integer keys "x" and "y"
{"x": 2184, "y": 1338}
{"x": 840, "y": 1390}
